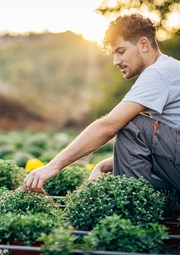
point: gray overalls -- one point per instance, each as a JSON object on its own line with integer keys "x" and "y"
{"x": 147, "y": 148}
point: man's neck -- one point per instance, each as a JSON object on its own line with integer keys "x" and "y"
{"x": 152, "y": 58}
{"x": 158, "y": 54}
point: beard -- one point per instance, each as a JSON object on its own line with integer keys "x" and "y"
{"x": 135, "y": 71}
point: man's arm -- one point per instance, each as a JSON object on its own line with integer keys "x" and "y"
{"x": 94, "y": 136}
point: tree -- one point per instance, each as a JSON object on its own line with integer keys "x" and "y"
{"x": 166, "y": 13}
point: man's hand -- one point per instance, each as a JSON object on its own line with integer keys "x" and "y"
{"x": 96, "y": 172}
{"x": 103, "y": 166}
{"x": 36, "y": 178}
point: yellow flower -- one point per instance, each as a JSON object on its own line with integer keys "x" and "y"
{"x": 33, "y": 163}
{"x": 90, "y": 167}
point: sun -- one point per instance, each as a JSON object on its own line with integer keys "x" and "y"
{"x": 95, "y": 33}
{"x": 93, "y": 29}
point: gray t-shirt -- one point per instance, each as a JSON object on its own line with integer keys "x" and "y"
{"x": 158, "y": 89}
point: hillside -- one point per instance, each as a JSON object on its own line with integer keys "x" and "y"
{"x": 54, "y": 75}
{"x": 14, "y": 115}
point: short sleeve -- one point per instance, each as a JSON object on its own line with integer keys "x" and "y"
{"x": 149, "y": 90}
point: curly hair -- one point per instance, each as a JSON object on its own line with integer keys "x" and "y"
{"x": 131, "y": 28}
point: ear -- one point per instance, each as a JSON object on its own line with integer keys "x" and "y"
{"x": 144, "y": 44}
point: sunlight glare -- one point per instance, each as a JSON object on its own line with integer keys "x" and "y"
{"x": 112, "y": 3}
{"x": 96, "y": 29}
{"x": 173, "y": 20}
{"x": 159, "y": 2}
{"x": 163, "y": 35}
{"x": 23, "y": 16}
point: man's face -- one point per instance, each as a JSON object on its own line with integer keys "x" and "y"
{"x": 128, "y": 58}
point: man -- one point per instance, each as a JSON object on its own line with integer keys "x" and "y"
{"x": 144, "y": 146}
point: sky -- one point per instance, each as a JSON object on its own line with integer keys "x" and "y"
{"x": 53, "y": 15}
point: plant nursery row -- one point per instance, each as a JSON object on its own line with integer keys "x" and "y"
{"x": 112, "y": 215}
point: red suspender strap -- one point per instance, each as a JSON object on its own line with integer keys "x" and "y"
{"x": 155, "y": 128}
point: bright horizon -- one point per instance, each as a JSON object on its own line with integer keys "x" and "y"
{"x": 78, "y": 16}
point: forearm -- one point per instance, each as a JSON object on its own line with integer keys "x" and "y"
{"x": 94, "y": 136}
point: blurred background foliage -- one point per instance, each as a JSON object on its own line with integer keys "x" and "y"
{"x": 166, "y": 13}
{"x": 67, "y": 80}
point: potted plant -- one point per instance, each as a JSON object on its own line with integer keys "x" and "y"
{"x": 11, "y": 176}
{"x": 111, "y": 234}
{"x": 116, "y": 234}
{"x": 66, "y": 181}
{"x": 59, "y": 241}
{"x": 19, "y": 201}
{"x": 26, "y": 229}
{"x": 6, "y": 151}
{"x": 2, "y": 189}
{"x": 131, "y": 198}
{"x": 21, "y": 157}
{"x": 25, "y": 215}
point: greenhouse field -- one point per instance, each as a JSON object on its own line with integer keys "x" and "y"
{"x": 111, "y": 215}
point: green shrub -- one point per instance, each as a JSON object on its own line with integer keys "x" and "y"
{"x": 19, "y": 201}
{"x": 11, "y": 176}
{"x": 131, "y": 198}
{"x": 5, "y": 228}
{"x": 26, "y": 229}
{"x": 16, "y": 138}
{"x": 34, "y": 150}
{"x": 6, "y": 150}
{"x": 116, "y": 234}
{"x": 2, "y": 189}
{"x": 66, "y": 181}
{"x": 39, "y": 140}
{"x": 59, "y": 241}
{"x": 61, "y": 140}
{"x": 21, "y": 158}
{"x": 47, "y": 155}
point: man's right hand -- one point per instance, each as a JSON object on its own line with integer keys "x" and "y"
{"x": 35, "y": 180}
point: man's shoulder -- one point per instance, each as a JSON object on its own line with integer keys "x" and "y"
{"x": 165, "y": 66}
{"x": 165, "y": 60}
